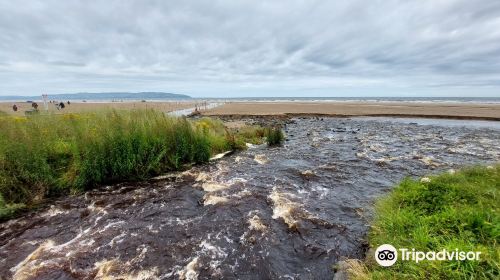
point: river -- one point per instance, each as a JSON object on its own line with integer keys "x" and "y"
{"x": 288, "y": 212}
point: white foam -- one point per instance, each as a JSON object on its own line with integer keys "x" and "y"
{"x": 219, "y": 156}
{"x": 213, "y": 186}
{"x": 190, "y": 271}
{"x": 210, "y": 199}
{"x": 261, "y": 159}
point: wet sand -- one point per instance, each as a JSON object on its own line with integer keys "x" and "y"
{"x": 79, "y": 107}
{"x": 410, "y": 109}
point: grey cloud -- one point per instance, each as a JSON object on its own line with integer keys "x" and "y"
{"x": 209, "y": 47}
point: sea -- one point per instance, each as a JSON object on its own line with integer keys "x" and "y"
{"x": 139, "y": 98}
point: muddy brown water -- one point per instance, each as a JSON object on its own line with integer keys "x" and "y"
{"x": 265, "y": 213}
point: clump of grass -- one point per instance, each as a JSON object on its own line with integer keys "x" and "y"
{"x": 50, "y": 155}
{"x": 222, "y": 138}
{"x": 8, "y": 210}
{"x": 274, "y": 136}
{"x": 452, "y": 211}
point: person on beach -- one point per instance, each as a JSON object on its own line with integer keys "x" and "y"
{"x": 14, "y": 108}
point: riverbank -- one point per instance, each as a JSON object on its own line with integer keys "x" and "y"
{"x": 51, "y": 155}
{"x": 345, "y": 109}
{"x": 454, "y": 211}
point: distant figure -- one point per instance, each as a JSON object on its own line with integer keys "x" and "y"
{"x": 61, "y": 105}
{"x": 14, "y": 108}
{"x": 69, "y": 102}
{"x": 34, "y": 105}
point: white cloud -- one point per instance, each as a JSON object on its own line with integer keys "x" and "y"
{"x": 236, "y": 48}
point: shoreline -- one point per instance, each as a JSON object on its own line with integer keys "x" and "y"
{"x": 488, "y": 112}
{"x": 312, "y": 115}
{"x": 280, "y": 109}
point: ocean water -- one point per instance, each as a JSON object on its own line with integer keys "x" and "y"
{"x": 365, "y": 99}
{"x": 139, "y": 97}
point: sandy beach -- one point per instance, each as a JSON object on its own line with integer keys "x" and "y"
{"x": 79, "y": 107}
{"x": 411, "y": 109}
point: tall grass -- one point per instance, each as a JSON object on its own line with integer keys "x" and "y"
{"x": 452, "y": 211}
{"x": 274, "y": 136}
{"x": 47, "y": 155}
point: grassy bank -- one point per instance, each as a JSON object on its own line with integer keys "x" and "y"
{"x": 451, "y": 211}
{"x": 49, "y": 155}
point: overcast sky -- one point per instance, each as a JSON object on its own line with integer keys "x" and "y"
{"x": 252, "y": 48}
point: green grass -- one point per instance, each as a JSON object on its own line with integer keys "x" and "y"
{"x": 49, "y": 155}
{"x": 8, "y": 210}
{"x": 274, "y": 136}
{"x": 451, "y": 211}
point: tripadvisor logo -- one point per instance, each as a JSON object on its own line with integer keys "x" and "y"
{"x": 387, "y": 255}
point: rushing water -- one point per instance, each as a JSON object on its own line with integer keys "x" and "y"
{"x": 265, "y": 213}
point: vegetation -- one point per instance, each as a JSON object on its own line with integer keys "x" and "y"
{"x": 274, "y": 136}
{"x": 451, "y": 211}
{"x": 49, "y": 155}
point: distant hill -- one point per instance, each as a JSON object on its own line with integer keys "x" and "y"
{"x": 103, "y": 96}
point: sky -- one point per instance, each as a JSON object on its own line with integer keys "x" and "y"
{"x": 229, "y": 48}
